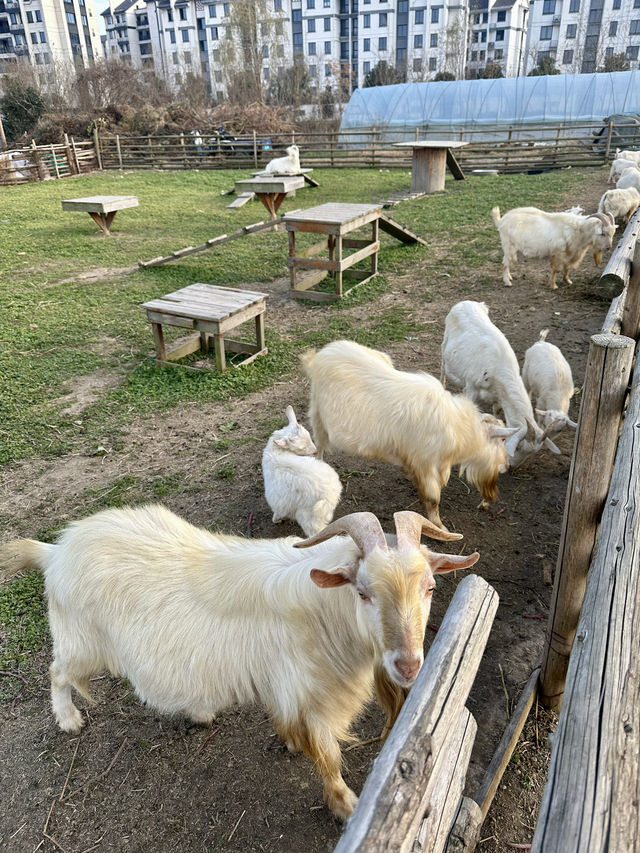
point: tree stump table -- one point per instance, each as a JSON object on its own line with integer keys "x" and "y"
{"x": 101, "y": 208}
{"x": 430, "y": 158}
{"x": 212, "y": 311}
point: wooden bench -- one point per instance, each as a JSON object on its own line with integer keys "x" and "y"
{"x": 212, "y": 311}
{"x": 101, "y": 208}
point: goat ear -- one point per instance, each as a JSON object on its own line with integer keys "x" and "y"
{"x": 443, "y": 563}
{"x": 291, "y": 416}
{"x": 496, "y": 431}
{"x": 339, "y": 577}
{"x": 280, "y": 442}
{"x": 552, "y": 447}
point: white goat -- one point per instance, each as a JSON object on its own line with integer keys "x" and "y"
{"x": 620, "y": 203}
{"x": 629, "y": 178}
{"x": 361, "y": 404}
{"x": 199, "y": 622}
{"x": 478, "y": 358}
{"x": 628, "y": 155}
{"x": 564, "y": 238}
{"x": 289, "y": 165}
{"x": 296, "y": 484}
{"x": 547, "y": 377}
{"x": 618, "y": 166}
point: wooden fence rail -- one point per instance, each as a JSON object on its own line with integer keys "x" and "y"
{"x": 44, "y": 162}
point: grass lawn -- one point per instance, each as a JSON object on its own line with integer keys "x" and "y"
{"x": 56, "y": 325}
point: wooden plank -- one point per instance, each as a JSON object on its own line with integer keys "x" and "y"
{"x": 399, "y": 231}
{"x": 454, "y": 166}
{"x": 630, "y": 325}
{"x": 465, "y": 832}
{"x": 185, "y": 346}
{"x": 311, "y": 279}
{"x": 491, "y": 779}
{"x": 387, "y": 815}
{"x": 605, "y": 385}
{"x": 241, "y": 200}
{"x": 590, "y": 802}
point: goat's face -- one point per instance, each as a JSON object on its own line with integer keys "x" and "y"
{"x": 294, "y": 437}
{"x": 603, "y": 235}
{"x": 293, "y": 152}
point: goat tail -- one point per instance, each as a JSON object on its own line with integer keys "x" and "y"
{"x": 23, "y": 554}
{"x": 543, "y": 335}
{"x": 306, "y": 358}
{"x": 495, "y": 215}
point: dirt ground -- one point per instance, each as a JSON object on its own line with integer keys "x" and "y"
{"x": 138, "y": 781}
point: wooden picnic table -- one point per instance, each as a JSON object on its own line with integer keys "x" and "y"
{"x": 430, "y": 158}
{"x": 271, "y": 190}
{"x": 101, "y": 208}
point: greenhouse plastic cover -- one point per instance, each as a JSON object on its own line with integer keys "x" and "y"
{"x": 514, "y": 100}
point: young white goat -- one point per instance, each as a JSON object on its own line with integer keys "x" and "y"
{"x": 564, "y": 238}
{"x": 289, "y": 165}
{"x": 629, "y": 178}
{"x": 547, "y": 377}
{"x": 618, "y": 166}
{"x": 296, "y": 484}
{"x": 478, "y": 358}
{"x": 620, "y": 203}
{"x": 199, "y": 622}
{"x": 628, "y": 155}
{"x": 361, "y": 404}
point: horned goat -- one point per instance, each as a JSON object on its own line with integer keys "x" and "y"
{"x": 289, "y": 165}
{"x": 547, "y": 377}
{"x": 198, "y": 622}
{"x": 620, "y": 203}
{"x": 564, "y": 238}
{"x": 361, "y": 404}
{"x": 296, "y": 484}
{"x": 477, "y": 357}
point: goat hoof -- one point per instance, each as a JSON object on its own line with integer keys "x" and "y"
{"x": 483, "y": 505}
{"x": 72, "y": 722}
{"x": 342, "y": 804}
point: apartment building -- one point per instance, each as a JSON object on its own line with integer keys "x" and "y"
{"x": 580, "y": 34}
{"x": 128, "y": 36}
{"x": 46, "y": 32}
{"x": 497, "y": 35}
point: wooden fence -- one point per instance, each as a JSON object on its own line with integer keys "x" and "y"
{"x": 509, "y": 149}
{"x": 46, "y": 162}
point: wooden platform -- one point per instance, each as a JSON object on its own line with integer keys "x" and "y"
{"x": 336, "y": 220}
{"x": 430, "y": 156}
{"x": 212, "y": 311}
{"x": 101, "y": 208}
{"x": 270, "y": 189}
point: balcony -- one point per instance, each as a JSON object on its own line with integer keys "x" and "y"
{"x": 21, "y": 50}
{"x": 11, "y": 5}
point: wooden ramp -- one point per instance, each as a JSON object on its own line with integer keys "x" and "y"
{"x": 241, "y": 200}
{"x": 400, "y": 232}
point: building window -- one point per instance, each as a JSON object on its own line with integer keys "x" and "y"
{"x": 433, "y": 63}
{"x": 311, "y": 4}
{"x": 312, "y": 48}
{"x": 313, "y": 70}
{"x": 433, "y": 40}
{"x": 634, "y": 28}
{"x": 613, "y": 28}
{"x": 326, "y": 4}
{"x": 417, "y": 65}
{"x": 71, "y": 18}
{"x": 382, "y": 19}
{"x": 548, "y": 7}
{"x": 499, "y": 53}
{"x": 29, "y": 17}
{"x": 169, "y": 15}
{"x": 366, "y": 21}
{"x": 327, "y": 24}
{"x": 344, "y": 50}
{"x": 311, "y": 25}
{"x": 481, "y": 55}
{"x": 419, "y": 18}
{"x": 546, "y": 33}
{"x": 344, "y": 28}
{"x": 574, "y": 5}
{"x": 38, "y": 15}
{"x": 632, "y": 52}
{"x": 502, "y": 16}
{"x": 567, "y": 57}
{"x": 636, "y": 4}
{"x": 327, "y": 70}
{"x": 43, "y": 38}
{"x": 213, "y": 31}
{"x": 402, "y": 31}
{"x": 184, "y": 35}
{"x": 265, "y": 73}
{"x": 474, "y": 55}
{"x": 212, "y": 10}
{"x": 265, "y": 51}
{"x": 277, "y": 5}
{"x": 435, "y": 16}
{"x": 327, "y": 47}
{"x": 483, "y": 35}
{"x": 34, "y": 38}
{"x": 296, "y": 16}
{"x": 182, "y": 13}
{"x": 172, "y": 36}
{"x": 382, "y": 44}
{"x": 366, "y": 45}
{"x": 418, "y": 41}
{"x": 499, "y": 35}
{"x": 616, "y": 4}
{"x": 571, "y": 31}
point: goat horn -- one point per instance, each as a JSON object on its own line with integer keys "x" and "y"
{"x": 603, "y": 217}
{"x": 411, "y": 525}
{"x": 363, "y": 527}
{"x": 552, "y": 426}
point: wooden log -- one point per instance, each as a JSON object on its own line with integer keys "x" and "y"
{"x": 605, "y": 385}
{"x": 590, "y": 802}
{"x": 444, "y": 792}
{"x": 491, "y": 779}
{"x": 616, "y": 273}
{"x": 630, "y": 324}
{"x": 466, "y": 827}
{"x": 391, "y": 806}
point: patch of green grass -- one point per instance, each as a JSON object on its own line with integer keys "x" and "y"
{"x": 226, "y": 471}
{"x": 24, "y": 629}
{"x": 168, "y": 484}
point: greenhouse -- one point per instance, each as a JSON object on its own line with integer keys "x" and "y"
{"x": 431, "y": 109}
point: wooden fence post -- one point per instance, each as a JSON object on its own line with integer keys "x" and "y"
{"x": 37, "y": 160}
{"x": 118, "y": 150}
{"x": 96, "y": 145}
{"x": 255, "y": 150}
{"x": 55, "y": 161}
{"x": 331, "y": 146}
{"x": 607, "y": 149}
{"x": 75, "y": 155}
{"x": 605, "y": 386}
{"x": 631, "y": 308}
{"x": 67, "y": 148}
{"x": 184, "y": 151}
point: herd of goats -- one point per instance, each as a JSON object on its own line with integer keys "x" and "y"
{"x": 200, "y": 621}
